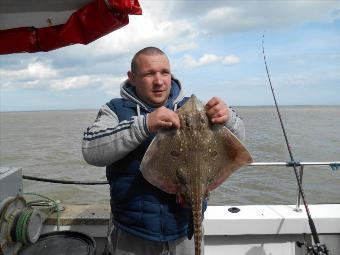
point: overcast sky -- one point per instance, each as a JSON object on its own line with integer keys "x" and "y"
{"x": 214, "y": 48}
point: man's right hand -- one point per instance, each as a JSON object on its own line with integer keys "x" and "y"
{"x": 162, "y": 117}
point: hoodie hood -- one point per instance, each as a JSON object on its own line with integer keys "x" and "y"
{"x": 127, "y": 91}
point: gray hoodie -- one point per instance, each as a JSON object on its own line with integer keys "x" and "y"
{"x": 108, "y": 140}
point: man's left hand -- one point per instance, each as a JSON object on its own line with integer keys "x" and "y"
{"x": 217, "y": 111}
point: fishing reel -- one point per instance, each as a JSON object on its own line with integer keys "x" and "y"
{"x": 316, "y": 249}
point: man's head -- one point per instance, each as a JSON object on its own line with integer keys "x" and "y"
{"x": 150, "y": 75}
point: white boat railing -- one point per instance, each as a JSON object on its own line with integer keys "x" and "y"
{"x": 335, "y": 165}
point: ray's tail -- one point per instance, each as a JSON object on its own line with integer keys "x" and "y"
{"x": 197, "y": 219}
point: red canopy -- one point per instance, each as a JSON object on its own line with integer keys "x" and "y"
{"x": 94, "y": 20}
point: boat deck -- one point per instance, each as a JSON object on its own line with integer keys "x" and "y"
{"x": 254, "y": 230}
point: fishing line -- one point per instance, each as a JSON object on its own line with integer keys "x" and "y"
{"x": 319, "y": 249}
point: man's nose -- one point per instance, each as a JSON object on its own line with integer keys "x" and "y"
{"x": 158, "y": 79}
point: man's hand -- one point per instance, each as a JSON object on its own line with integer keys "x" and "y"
{"x": 217, "y": 111}
{"x": 162, "y": 118}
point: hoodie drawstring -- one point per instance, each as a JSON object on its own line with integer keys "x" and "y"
{"x": 138, "y": 110}
{"x": 175, "y": 107}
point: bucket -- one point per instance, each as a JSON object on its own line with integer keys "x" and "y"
{"x": 61, "y": 243}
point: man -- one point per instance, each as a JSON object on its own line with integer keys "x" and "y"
{"x": 147, "y": 220}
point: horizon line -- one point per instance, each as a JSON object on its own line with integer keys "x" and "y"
{"x": 93, "y": 109}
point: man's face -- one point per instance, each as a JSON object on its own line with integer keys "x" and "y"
{"x": 152, "y": 79}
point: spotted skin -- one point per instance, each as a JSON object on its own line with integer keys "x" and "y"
{"x": 193, "y": 160}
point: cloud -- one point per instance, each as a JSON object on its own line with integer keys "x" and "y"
{"x": 34, "y": 70}
{"x": 177, "y": 26}
{"x": 237, "y": 16}
{"x": 108, "y": 83}
{"x": 223, "y": 13}
{"x": 182, "y": 47}
{"x": 206, "y": 59}
{"x": 68, "y": 83}
{"x": 154, "y": 28}
{"x": 34, "y": 74}
{"x": 135, "y": 37}
{"x": 230, "y": 60}
{"x": 196, "y": 34}
{"x": 39, "y": 76}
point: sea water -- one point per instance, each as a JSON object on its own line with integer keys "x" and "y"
{"x": 48, "y": 144}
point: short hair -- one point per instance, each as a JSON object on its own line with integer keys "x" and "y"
{"x": 150, "y": 51}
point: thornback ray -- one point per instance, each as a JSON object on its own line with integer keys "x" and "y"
{"x": 193, "y": 160}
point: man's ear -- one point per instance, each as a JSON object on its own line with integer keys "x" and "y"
{"x": 131, "y": 77}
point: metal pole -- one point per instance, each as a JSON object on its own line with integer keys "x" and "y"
{"x": 298, "y": 197}
{"x": 289, "y": 164}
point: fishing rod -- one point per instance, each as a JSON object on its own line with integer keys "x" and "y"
{"x": 318, "y": 248}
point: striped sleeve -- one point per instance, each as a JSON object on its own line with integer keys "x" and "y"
{"x": 235, "y": 124}
{"x": 108, "y": 140}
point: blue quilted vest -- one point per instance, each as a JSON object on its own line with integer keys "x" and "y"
{"x": 137, "y": 206}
